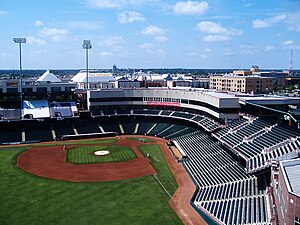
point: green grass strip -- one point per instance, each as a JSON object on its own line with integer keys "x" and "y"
{"x": 146, "y": 140}
{"x": 85, "y": 154}
{"x": 159, "y": 163}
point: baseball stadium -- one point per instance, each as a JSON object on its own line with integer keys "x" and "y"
{"x": 145, "y": 156}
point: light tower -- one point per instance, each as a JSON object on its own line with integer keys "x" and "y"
{"x": 87, "y": 45}
{"x": 20, "y": 41}
{"x": 291, "y": 62}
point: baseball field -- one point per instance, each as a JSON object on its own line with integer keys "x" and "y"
{"x": 31, "y": 194}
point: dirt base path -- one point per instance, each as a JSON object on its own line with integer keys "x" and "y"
{"x": 50, "y": 162}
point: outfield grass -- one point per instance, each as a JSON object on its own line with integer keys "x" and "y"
{"x": 28, "y": 199}
{"x": 159, "y": 163}
{"x": 146, "y": 140}
{"x": 85, "y": 154}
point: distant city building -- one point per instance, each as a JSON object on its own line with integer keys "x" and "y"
{"x": 115, "y": 69}
{"x": 243, "y": 84}
{"x": 96, "y": 80}
{"x": 47, "y": 83}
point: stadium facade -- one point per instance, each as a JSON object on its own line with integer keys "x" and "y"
{"x": 229, "y": 143}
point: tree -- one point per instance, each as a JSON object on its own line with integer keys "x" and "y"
{"x": 290, "y": 88}
{"x": 275, "y": 88}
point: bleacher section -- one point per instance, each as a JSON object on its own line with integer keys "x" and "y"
{"x": 63, "y": 109}
{"x": 10, "y": 114}
{"x": 39, "y": 132}
{"x": 206, "y": 123}
{"x": 87, "y": 127}
{"x": 145, "y": 111}
{"x": 10, "y": 134}
{"x": 63, "y": 128}
{"x": 226, "y": 192}
{"x": 128, "y": 127}
{"x": 110, "y": 126}
{"x": 36, "y": 109}
{"x": 259, "y": 142}
{"x": 144, "y": 126}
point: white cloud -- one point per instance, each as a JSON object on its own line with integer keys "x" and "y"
{"x": 229, "y": 52}
{"x": 153, "y": 31}
{"x": 38, "y": 23}
{"x": 114, "y": 41}
{"x": 157, "y": 32}
{"x": 293, "y": 21}
{"x": 35, "y": 41}
{"x": 260, "y": 24}
{"x": 216, "y": 32}
{"x": 104, "y": 4}
{"x": 130, "y": 17}
{"x": 192, "y": 54}
{"x": 269, "y": 48}
{"x": 145, "y": 46}
{"x": 84, "y": 25}
{"x": 269, "y": 22}
{"x": 105, "y": 54}
{"x": 215, "y": 28}
{"x": 288, "y": 42}
{"x": 161, "y": 38}
{"x": 110, "y": 4}
{"x": 4, "y": 13}
{"x": 190, "y": 8}
{"x": 56, "y": 34}
{"x": 212, "y": 38}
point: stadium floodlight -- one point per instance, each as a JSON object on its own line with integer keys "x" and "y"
{"x": 20, "y": 41}
{"x": 87, "y": 45}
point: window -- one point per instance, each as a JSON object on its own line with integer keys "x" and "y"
{"x": 55, "y": 89}
{"x": 297, "y": 220}
{"x": 12, "y": 90}
{"x": 27, "y": 90}
{"x": 41, "y": 90}
{"x": 68, "y": 89}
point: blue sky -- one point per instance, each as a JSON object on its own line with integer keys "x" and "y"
{"x": 150, "y": 33}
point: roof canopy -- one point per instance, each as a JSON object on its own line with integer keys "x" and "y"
{"x": 49, "y": 77}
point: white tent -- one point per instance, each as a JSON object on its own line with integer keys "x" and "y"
{"x": 49, "y": 78}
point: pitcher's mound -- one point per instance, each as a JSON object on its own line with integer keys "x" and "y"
{"x": 101, "y": 153}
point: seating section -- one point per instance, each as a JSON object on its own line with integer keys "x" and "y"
{"x": 259, "y": 142}
{"x": 87, "y": 127}
{"x": 159, "y": 127}
{"x": 226, "y": 191}
{"x": 128, "y": 126}
{"x": 182, "y": 115}
{"x": 63, "y": 109}
{"x": 145, "y": 111}
{"x": 144, "y": 126}
{"x": 63, "y": 128}
{"x": 110, "y": 126}
{"x": 10, "y": 114}
{"x": 38, "y": 133}
{"x": 206, "y": 123}
{"x": 36, "y": 108}
{"x": 108, "y": 112}
{"x": 183, "y": 131}
{"x": 10, "y": 133}
{"x": 124, "y": 111}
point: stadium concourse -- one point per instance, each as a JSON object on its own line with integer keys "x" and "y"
{"x": 229, "y": 163}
